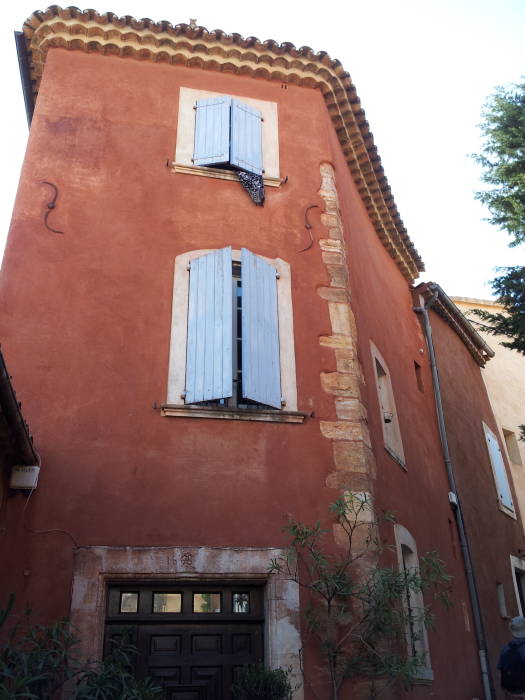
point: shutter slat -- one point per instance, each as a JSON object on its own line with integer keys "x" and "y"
{"x": 209, "y": 346}
{"x": 246, "y": 137}
{"x": 212, "y": 131}
{"x": 500, "y": 473}
{"x": 260, "y": 339}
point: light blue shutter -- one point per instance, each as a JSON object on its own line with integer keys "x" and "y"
{"x": 500, "y": 473}
{"x": 212, "y": 131}
{"x": 209, "y": 347}
{"x": 261, "y": 376}
{"x": 246, "y": 138}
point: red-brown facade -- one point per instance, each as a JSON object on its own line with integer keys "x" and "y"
{"x": 85, "y": 327}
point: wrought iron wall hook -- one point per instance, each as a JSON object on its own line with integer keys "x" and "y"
{"x": 50, "y": 206}
{"x": 308, "y": 226}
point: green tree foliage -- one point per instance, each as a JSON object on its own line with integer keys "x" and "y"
{"x": 358, "y": 611}
{"x": 502, "y": 160}
{"x": 259, "y": 683}
{"x": 38, "y": 661}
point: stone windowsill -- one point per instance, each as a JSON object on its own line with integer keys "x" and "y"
{"x": 396, "y": 458}
{"x": 217, "y": 173}
{"x": 225, "y": 413}
{"x": 507, "y": 511}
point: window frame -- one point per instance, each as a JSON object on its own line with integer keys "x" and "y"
{"x": 175, "y": 402}
{"x": 405, "y": 540}
{"x": 392, "y": 437}
{"x": 510, "y": 511}
{"x": 183, "y": 162}
{"x": 517, "y": 567}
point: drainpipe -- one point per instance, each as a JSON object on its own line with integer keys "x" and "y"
{"x": 456, "y": 506}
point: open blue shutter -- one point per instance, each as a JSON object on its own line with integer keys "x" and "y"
{"x": 261, "y": 376}
{"x": 209, "y": 348}
{"x": 246, "y": 138}
{"x": 212, "y": 131}
{"x": 500, "y": 473}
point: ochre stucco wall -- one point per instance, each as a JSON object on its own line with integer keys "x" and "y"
{"x": 86, "y": 330}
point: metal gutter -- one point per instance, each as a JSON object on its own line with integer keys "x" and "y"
{"x": 488, "y": 686}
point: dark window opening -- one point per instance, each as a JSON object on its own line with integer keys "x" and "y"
{"x": 419, "y": 377}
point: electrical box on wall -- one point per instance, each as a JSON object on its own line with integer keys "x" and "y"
{"x": 24, "y": 477}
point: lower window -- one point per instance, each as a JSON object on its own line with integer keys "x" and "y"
{"x": 191, "y": 639}
{"x": 232, "y": 333}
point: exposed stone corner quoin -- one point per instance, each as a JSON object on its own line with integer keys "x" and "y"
{"x": 196, "y": 47}
{"x": 353, "y": 459}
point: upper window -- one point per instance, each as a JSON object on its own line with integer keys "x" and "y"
{"x": 499, "y": 471}
{"x": 387, "y": 407}
{"x": 218, "y": 133}
{"x": 232, "y": 332}
{"x": 228, "y": 133}
{"x": 513, "y": 449}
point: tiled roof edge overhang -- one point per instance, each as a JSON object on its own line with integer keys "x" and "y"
{"x": 449, "y": 312}
{"x": 478, "y": 302}
{"x": 215, "y": 50}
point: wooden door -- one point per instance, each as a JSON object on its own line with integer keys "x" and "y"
{"x": 191, "y": 640}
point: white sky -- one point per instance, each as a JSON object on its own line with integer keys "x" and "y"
{"x": 422, "y": 68}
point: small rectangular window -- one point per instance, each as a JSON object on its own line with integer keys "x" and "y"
{"x": 207, "y": 603}
{"x": 499, "y": 471}
{"x": 513, "y": 449}
{"x": 129, "y": 602}
{"x": 241, "y": 603}
{"x": 387, "y": 407}
{"x": 419, "y": 378}
{"x": 167, "y": 602}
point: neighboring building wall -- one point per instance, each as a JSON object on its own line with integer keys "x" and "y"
{"x": 504, "y": 378}
{"x": 494, "y": 534}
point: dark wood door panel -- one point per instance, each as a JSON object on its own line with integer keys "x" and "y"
{"x": 193, "y": 657}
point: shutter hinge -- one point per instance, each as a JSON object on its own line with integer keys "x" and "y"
{"x": 188, "y": 266}
{"x": 283, "y": 401}
{"x": 183, "y": 395}
{"x": 277, "y": 275}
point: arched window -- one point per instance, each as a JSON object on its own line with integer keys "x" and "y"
{"x": 416, "y": 634}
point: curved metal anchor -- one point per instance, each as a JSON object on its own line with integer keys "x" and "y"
{"x": 50, "y": 206}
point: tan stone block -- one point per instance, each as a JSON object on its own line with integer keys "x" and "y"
{"x": 346, "y": 362}
{"x": 336, "y": 341}
{"x": 332, "y": 258}
{"x": 340, "y": 536}
{"x": 329, "y": 220}
{"x": 329, "y": 245}
{"x": 340, "y": 430}
{"x": 348, "y": 409}
{"x": 354, "y": 455}
{"x": 345, "y": 481}
{"x": 336, "y": 233}
{"x": 340, "y": 317}
{"x": 340, "y": 296}
{"x": 340, "y": 384}
{"x": 338, "y": 275}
